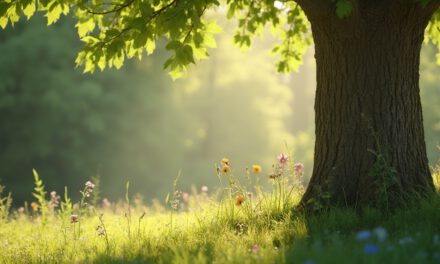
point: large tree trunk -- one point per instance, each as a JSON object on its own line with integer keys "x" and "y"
{"x": 370, "y": 146}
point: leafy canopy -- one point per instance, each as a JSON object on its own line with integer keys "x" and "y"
{"x": 115, "y": 30}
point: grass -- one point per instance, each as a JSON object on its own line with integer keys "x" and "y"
{"x": 215, "y": 227}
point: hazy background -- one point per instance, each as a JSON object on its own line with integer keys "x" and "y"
{"x": 137, "y": 125}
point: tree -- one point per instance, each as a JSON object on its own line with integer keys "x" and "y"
{"x": 369, "y": 132}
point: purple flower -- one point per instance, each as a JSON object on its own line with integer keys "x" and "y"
{"x": 283, "y": 158}
{"x": 371, "y": 249}
{"x": 298, "y": 167}
{"x": 363, "y": 235}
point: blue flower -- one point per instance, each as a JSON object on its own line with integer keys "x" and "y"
{"x": 310, "y": 261}
{"x": 371, "y": 249}
{"x": 363, "y": 235}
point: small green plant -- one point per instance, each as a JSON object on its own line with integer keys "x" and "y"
{"x": 40, "y": 194}
{"x": 382, "y": 173}
{"x": 128, "y": 212}
{"x": 174, "y": 200}
{"x": 322, "y": 202}
{"x": 102, "y": 231}
{"x": 66, "y": 205}
{"x": 96, "y": 195}
{"x": 384, "y": 177}
{"x": 5, "y": 204}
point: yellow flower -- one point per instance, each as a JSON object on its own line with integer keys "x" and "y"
{"x": 256, "y": 168}
{"x": 226, "y": 169}
{"x": 239, "y": 200}
{"x": 225, "y": 161}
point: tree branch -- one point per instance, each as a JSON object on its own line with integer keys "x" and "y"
{"x": 118, "y": 8}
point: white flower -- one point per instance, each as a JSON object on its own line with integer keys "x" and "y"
{"x": 381, "y": 233}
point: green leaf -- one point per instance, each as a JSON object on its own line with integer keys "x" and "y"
{"x": 85, "y": 27}
{"x": 343, "y": 8}
{"x": 174, "y": 45}
{"x": 54, "y": 13}
{"x": 150, "y": 46}
{"x": 29, "y": 9}
{"x": 3, "y": 22}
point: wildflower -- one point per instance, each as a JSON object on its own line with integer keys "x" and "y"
{"x": 74, "y": 218}
{"x": 273, "y": 175}
{"x": 255, "y": 249}
{"x": 371, "y": 249}
{"x": 175, "y": 204}
{"x": 100, "y": 230}
{"x": 363, "y": 235}
{"x": 381, "y": 233}
{"x": 90, "y": 185}
{"x": 204, "y": 189}
{"x": 185, "y": 196}
{"x": 239, "y": 200}
{"x": 240, "y": 228}
{"x": 249, "y": 195}
{"x": 256, "y": 168}
{"x": 89, "y": 188}
{"x": 283, "y": 158}
{"x": 106, "y": 202}
{"x": 310, "y": 261}
{"x": 35, "y": 206}
{"x": 226, "y": 169}
{"x": 298, "y": 167}
{"x": 225, "y": 161}
{"x": 54, "y": 199}
{"x": 20, "y": 210}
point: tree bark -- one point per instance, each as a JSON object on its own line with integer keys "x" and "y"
{"x": 370, "y": 146}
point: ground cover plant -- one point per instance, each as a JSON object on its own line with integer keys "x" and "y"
{"x": 240, "y": 222}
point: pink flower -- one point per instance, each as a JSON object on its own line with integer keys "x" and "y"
{"x": 204, "y": 189}
{"x": 283, "y": 158}
{"x": 255, "y": 249}
{"x": 106, "y": 202}
{"x": 185, "y": 196}
{"x": 298, "y": 167}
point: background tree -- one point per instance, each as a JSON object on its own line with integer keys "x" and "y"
{"x": 368, "y": 117}
{"x": 133, "y": 124}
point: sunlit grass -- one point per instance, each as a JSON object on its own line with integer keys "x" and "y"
{"x": 237, "y": 223}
